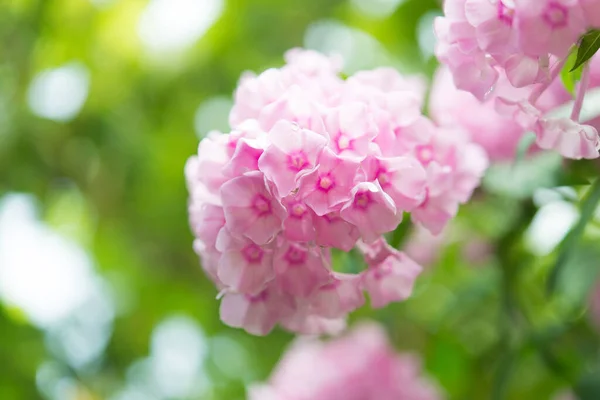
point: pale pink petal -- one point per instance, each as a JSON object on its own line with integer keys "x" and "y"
{"x": 246, "y": 267}
{"x": 300, "y": 270}
{"x": 338, "y": 298}
{"x": 392, "y": 280}
{"x": 244, "y": 159}
{"x": 479, "y": 11}
{"x": 569, "y": 138}
{"x": 250, "y": 209}
{"x": 333, "y": 231}
{"x": 371, "y": 210}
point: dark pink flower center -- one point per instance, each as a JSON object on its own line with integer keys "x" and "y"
{"x": 297, "y": 161}
{"x": 331, "y": 217}
{"x": 325, "y": 183}
{"x": 506, "y": 12}
{"x": 232, "y": 144}
{"x": 253, "y": 253}
{"x": 257, "y": 298}
{"x": 362, "y": 199}
{"x": 295, "y": 255}
{"x": 262, "y": 205}
{"x": 297, "y": 210}
{"x": 382, "y": 270}
{"x": 343, "y": 143}
{"x": 556, "y": 15}
{"x": 424, "y": 154}
{"x": 383, "y": 177}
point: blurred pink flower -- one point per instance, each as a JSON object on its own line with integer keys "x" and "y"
{"x": 360, "y": 365}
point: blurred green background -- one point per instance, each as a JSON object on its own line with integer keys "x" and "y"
{"x": 101, "y": 295}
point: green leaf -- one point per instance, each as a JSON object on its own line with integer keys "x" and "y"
{"x": 570, "y": 241}
{"x": 569, "y": 77}
{"x": 589, "y": 45}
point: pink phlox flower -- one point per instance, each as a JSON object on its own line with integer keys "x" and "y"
{"x": 360, "y": 365}
{"x": 212, "y": 156}
{"x": 300, "y": 270}
{"x": 457, "y": 47}
{"x": 391, "y": 280}
{"x": 522, "y": 112}
{"x": 254, "y": 92}
{"x": 295, "y": 105}
{"x": 256, "y": 313}
{"x": 388, "y": 80}
{"x": 591, "y": 11}
{"x": 209, "y": 260}
{"x": 386, "y": 92}
{"x": 549, "y": 26}
{"x": 376, "y": 252}
{"x": 338, "y": 297}
{"x": 299, "y": 223}
{"x": 499, "y": 135}
{"x": 312, "y": 63}
{"x": 315, "y": 163}
{"x": 292, "y": 152}
{"x": 402, "y": 178}
{"x": 244, "y": 266}
{"x": 522, "y": 70}
{"x": 569, "y": 138}
{"x": 493, "y": 22}
{"x": 333, "y": 231}
{"x": 351, "y": 129}
{"x": 329, "y": 185}
{"x": 435, "y": 212}
{"x": 250, "y": 208}
{"x": 245, "y": 157}
{"x": 206, "y": 221}
{"x": 305, "y": 323}
{"x": 371, "y": 210}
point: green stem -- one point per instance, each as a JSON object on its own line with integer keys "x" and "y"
{"x": 510, "y": 264}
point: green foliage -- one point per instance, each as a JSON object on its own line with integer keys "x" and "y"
{"x": 568, "y": 245}
{"x": 588, "y": 46}
{"x": 570, "y": 75}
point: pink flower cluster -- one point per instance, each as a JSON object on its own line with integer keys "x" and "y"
{"x": 515, "y": 50}
{"x": 359, "y": 366}
{"x": 315, "y": 163}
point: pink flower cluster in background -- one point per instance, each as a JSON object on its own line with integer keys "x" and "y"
{"x": 313, "y": 163}
{"x": 514, "y": 51}
{"x": 358, "y": 366}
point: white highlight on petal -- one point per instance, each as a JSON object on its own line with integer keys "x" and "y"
{"x": 173, "y": 25}
{"x": 59, "y": 93}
